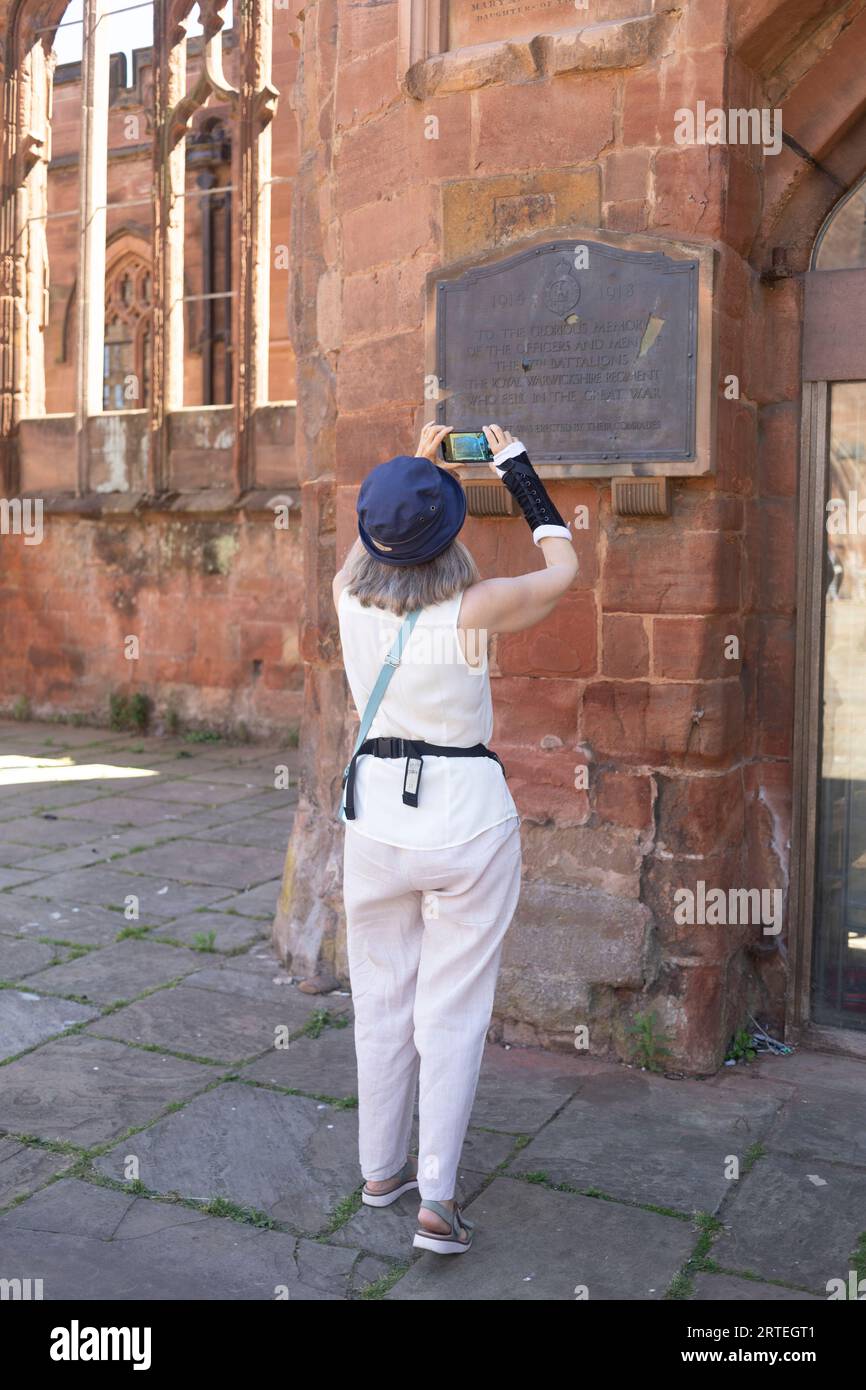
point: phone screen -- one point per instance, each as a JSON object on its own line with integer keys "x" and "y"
{"x": 466, "y": 446}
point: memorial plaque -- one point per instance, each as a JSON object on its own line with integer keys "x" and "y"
{"x": 483, "y": 21}
{"x": 586, "y": 351}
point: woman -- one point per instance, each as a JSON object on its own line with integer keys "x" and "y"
{"x": 432, "y": 849}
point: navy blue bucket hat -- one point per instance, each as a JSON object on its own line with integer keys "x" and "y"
{"x": 409, "y": 511}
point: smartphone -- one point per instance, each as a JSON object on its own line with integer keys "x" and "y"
{"x": 466, "y": 446}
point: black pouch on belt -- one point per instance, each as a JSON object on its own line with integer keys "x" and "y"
{"x": 412, "y": 779}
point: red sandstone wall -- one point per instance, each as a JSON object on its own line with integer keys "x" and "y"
{"x": 213, "y": 603}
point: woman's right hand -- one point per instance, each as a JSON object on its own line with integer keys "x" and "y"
{"x": 497, "y": 438}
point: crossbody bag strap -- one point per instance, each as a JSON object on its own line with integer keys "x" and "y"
{"x": 383, "y": 680}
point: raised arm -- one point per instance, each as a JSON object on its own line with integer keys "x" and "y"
{"x": 510, "y": 605}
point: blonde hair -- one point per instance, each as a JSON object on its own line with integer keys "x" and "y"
{"x": 401, "y": 588}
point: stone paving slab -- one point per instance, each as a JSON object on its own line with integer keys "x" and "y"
{"x": 34, "y": 737}
{"x": 248, "y": 804}
{"x": 10, "y": 878}
{"x": 69, "y": 798}
{"x": 323, "y": 1066}
{"x": 230, "y": 933}
{"x": 87, "y": 1242}
{"x": 643, "y": 1139}
{"x": 119, "y": 812}
{"x": 120, "y": 971}
{"x": 224, "y": 1027}
{"x": 483, "y": 1151}
{"x": 251, "y": 806}
{"x": 22, "y": 914}
{"x": 79, "y": 923}
{"x": 25, "y": 1167}
{"x": 197, "y": 791}
{"x": 49, "y": 833}
{"x": 89, "y": 1090}
{"x": 159, "y": 898}
{"x": 19, "y": 957}
{"x": 265, "y": 988}
{"x": 28, "y": 1018}
{"x": 520, "y": 1089}
{"x": 781, "y": 1225}
{"x": 201, "y": 861}
{"x": 263, "y": 961}
{"x": 533, "y": 1244}
{"x": 252, "y": 775}
{"x": 726, "y": 1288}
{"x": 79, "y": 857}
{"x": 289, "y": 1156}
{"x": 258, "y": 902}
{"x": 814, "y": 1123}
{"x": 101, "y": 848}
{"x": 819, "y": 1069}
{"x": 259, "y": 830}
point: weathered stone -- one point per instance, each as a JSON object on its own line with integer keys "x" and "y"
{"x": 478, "y": 66}
{"x": 727, "y": 1288}
{"x": 255, "y": 902}
{"x": 119, "y": 971}
{"x": 64, "y": 921}
{"x": 91, "y": 1243}
{"x": 543, "y": 1245}
{"x": 19, "y": 957}
{"x": 229, "y": 933}
{"x": 28, "y": 1018}
{"x": 642, "y": 1139}
{"x": 605, "y": 861}
{"x": 158, "y": 898}
{"x": 617, "y": 44}
{"x": 223, "y": 1026}
{"x": 810, "y": 1251}
{"x": 520, "y": 1089}
{"x": 323, "y": 1066}
{"x": 24, "y": 1167}
{"x": 563, "y": 939}
{"x": 290, "y": 1157}
{"x": 87, "y": 1090}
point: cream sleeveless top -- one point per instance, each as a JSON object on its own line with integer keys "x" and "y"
{"x": 434, "y": 695}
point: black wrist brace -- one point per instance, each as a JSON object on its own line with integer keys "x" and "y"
{"x": 517, "y": 473}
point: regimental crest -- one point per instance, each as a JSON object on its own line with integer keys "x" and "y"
{"x": 562, "y": 291}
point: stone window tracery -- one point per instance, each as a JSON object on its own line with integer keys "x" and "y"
{"x": 210, "y": 98}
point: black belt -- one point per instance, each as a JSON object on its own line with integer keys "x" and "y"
{"x": 413, "y": 750}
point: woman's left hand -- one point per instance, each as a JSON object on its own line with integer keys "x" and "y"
{"x": 431, "y": 437}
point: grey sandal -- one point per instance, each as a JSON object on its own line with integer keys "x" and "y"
{"x": 407, "y": 1180}
{"x": 442, "y": 1243}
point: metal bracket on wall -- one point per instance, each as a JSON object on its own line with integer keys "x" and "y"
{"x": 640, "y": 496}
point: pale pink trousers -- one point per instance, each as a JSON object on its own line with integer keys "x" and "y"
{"x": 425, "y": 931}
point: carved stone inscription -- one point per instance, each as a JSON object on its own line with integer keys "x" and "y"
{"x": 480, "y": 21}
{"x": 586, "y": 352}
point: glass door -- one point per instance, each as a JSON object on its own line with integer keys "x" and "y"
{"x": 839, "y": 938}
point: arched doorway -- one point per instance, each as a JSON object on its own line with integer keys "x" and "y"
{"x": 831, "y": 942}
